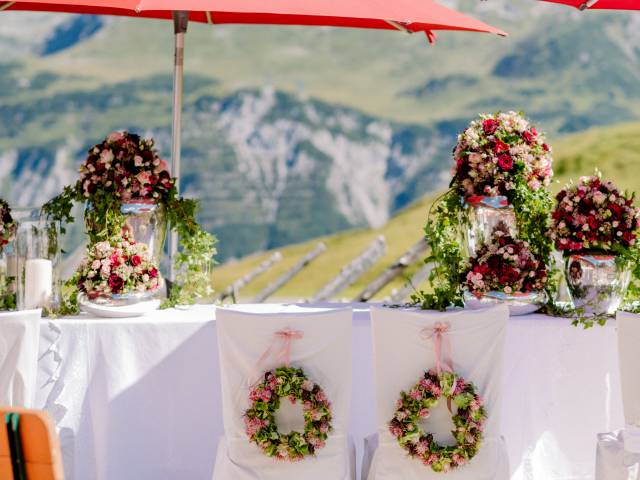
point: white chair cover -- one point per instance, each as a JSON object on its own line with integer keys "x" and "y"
{"x": 618, "y": 453}
{"x": 19, "y": 342}
{"x": 401, "y": 358}
{"x": 324, "y": 353}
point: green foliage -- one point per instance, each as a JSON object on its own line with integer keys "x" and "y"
{"x": 194, "y": 264}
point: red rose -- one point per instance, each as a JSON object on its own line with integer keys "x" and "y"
{"x": 136, "y": 260}
{"x": 534, "y": 131}
{"x": 500, "y": 147}
{"x": 115, "y": 259}
{"x": 628, "y": 236}
{"x": 116, "y": 284}
{"x": 505, "y": 162}
{"x": 490, "y": 126}
{"x": 528, "y": 137}
{"x": 593, "y": 223}
{"x": 545, "y": 147}
{"x": 153, "y": 272}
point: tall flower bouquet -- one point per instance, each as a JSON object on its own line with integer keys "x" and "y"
{"x": 596, "y": 226}
{"x": 126, "y": 168}
{"x": 501, "y": 154}
{"x": 7, "y": 225}
{"x": 594, "y": 215}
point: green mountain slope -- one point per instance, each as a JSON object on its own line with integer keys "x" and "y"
{"x": 614, "y": 150}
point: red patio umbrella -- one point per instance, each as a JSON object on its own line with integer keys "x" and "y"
{"x": 408, "y": 16}
{"x": 600, "y": 4}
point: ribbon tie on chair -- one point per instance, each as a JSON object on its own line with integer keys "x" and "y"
{"x": 441, "y": 346}
{"x": 442, "y": 350}
{"x": 285, "y": 336}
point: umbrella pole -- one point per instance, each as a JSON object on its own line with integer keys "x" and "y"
{"x": 180, "y": 22}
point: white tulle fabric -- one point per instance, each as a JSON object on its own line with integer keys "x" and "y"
{"x": 401, "y": 356}
{"x": 19, "y": 340}
{"x": 324, "y": 353}
{"x": 618, "y": 453}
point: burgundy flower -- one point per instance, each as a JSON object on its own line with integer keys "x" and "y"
{"x": 116, "y": 283}
{"x": 153, "y": 272}
{"x": 136, "y": 260}
{"x": 505, "y": 162}
{"x": 490, "y": 126}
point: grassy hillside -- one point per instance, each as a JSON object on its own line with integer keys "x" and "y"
{"x": 614, "y": 150}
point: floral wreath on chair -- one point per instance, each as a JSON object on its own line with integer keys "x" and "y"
{"x": 292, "y": 383}
{"x": 260, "y": 420}
{"x": 414, "y": 406}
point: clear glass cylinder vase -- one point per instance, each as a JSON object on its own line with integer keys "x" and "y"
{"x": 484, "y": 214}
{"x": 37, "y": 261}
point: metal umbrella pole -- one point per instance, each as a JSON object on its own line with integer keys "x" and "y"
{"x": 180, "y": 23}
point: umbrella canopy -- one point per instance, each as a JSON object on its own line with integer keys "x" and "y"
{"x": 600, "y": 4}
{"x": 407, "y": 15}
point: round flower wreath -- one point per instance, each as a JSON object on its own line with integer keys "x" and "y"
{"x": 260, "y": 420}
{"x": 414, "y": 406}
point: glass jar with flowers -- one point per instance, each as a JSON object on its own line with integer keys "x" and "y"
{"x": 118, "y": 272}
{"x": 595, "y": 225}
{"x": 504, "y": 270}
{"x": 498, "y": 158}
{"x": 124, "y": 184}
{"x": 502, "y": 166}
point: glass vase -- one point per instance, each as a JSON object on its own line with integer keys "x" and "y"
{"x": 484, "y": 214}
{"x": 597, "y": 282}
{"x": 145, "y": 219}
{"x": 37, "y": 261}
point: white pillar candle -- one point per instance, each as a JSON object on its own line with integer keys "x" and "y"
{"x": 38, "y": 283}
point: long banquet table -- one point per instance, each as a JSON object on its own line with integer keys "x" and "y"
{"x": 139, "y": 399}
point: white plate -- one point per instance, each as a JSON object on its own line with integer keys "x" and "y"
{"x": 127, "y": 311}
{"x": 519, "y": 304}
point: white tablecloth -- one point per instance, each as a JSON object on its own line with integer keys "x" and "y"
{"x": 139, "y": 399}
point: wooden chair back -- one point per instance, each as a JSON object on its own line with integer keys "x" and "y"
{"x": 40, "y": 446}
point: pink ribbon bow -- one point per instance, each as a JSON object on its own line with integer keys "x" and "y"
{"x": 441, "y": 346}
{"x": 286, "y": 336}
{"x": 441, "y": 342}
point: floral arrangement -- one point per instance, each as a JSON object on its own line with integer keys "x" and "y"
{"x": 127, "y": 166}
{"x": 260, "y": 421}
{"x": 498, "y": 153}
{"x": 121, "y": 266}
{"x": 594, "y": 215}
{"x": 505, "y": 264}
{"x": 7, "y": 225}
{"x": 414, "y": 406}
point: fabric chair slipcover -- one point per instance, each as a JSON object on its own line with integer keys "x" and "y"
{"x": 19, "y": 342}
{"x": 618, "y": 453}
{"x": 401, "y": 356}
{"x": 324, "y": 353}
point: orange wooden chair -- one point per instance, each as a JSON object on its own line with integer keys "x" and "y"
{"x": 40, "y": 446}
{"x": 6, "y": 469}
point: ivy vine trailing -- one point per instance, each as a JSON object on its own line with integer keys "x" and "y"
{"x": 124, "y": 168}
{"x": 497, "y": 155}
